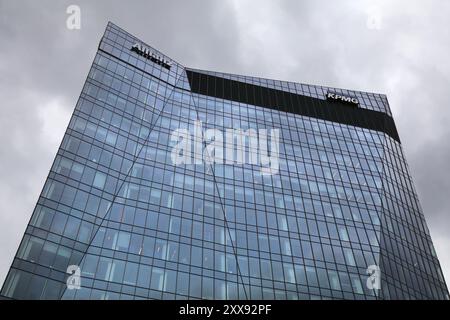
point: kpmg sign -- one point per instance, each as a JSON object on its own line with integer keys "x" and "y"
{"x": 151, "y": 55}
{"x": 338, "y": 97}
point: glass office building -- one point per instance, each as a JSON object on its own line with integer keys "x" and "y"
{"x": 339, "y": 210}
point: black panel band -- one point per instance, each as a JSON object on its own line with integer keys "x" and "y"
{"x": 334, "y": 111}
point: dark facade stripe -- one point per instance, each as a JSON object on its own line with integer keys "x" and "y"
{"x": 334, "y": 111}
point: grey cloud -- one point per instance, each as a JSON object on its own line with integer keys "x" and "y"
{"x": 43, "y": 64}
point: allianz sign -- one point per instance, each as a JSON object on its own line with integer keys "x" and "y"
{"x": 149, "y": 54}
{"x": 338, "y": 97}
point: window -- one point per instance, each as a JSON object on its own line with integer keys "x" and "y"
{"x": 300, "y": 274}
{"x": 208, "y": 288}
{"x": 160, "y": 249}
{"x": 170, "y": 281}
{"x": 195, "y": 286}
{"x": 277, "y": 270}
{"x": 103, "y": 269}
{"x": 196, "y": 256}
{"x": 148, "y": 246}
{"x": 334, "y": 280}
{"x": 89, "y": 265}
{"x": 182, "y": 283}
{"x": 282, "y": 222}
{"x": 157, "y": 279}
{"x": 123, "y": 241}
{"x": 311, "y": 276}
{"x": 323, "y": 278}
{"x": 155, "y": 196}
{"x": 174, "y": 225}
{"x": 84, "y": 234}
{"x": 163, "y": 223}
{"x": 285, "y": 246}
{"x": 99, "y": 180}
{"x": 130, "y": 273}
{"x": 43, "y": 217}
{"x": 343, "y": 233}
{"x": 349, "y": 257}
{"x": 117, "y": 271}
{"x": 266, "y": 269}
{"x": 220, "y": 261}
{"x": 186, "y": 227}
{"x": 185, "y": 253}
{"x": 172, "y": 251}
{"x": 136, "y": 243}
{"x": 59, "y": 222}
{"x": 356, "y": 284}
{"x": 144, "y": 276}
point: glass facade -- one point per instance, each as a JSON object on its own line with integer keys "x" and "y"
{"x": 140, "y": 227}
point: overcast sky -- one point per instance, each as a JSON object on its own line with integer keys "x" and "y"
{"x": 400, "y": 48}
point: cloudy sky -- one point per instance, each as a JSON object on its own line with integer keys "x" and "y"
{"x": 400, "y": 48}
